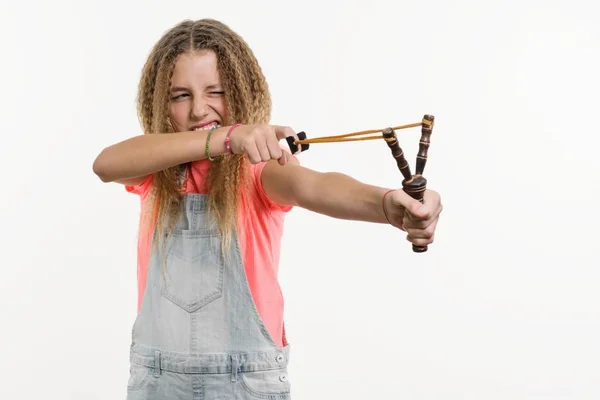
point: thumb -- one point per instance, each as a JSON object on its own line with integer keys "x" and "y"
{"x": 283, "y": 159}
{"x": 414, "y": 207}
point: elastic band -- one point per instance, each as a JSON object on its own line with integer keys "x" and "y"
{"x": 383, "y": 205}
{"x": 208, "y": 144}
{"x": 228, "y": 138}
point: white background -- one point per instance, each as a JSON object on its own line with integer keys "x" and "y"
{"x": 505, "y": 305}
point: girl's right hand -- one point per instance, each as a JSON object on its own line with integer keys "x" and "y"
{"x": 261, "y": 142}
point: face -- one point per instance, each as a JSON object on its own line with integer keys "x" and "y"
{"x": 197, "y": 100}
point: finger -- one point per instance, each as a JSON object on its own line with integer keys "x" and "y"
{"x": 274, "y": 148}
{"x": 253, "y": 153}
{"x": 410, "y": 223}
{"x": 263, "y": 150}
{"x": 431, "y": 197}
{"x": 400, "y": 198}
{"x": 423, "y": 222}
{"x": 283, "y": 159}
{"x": 418, "y": 223}
{"x": 423, "y": 233}
{"x": 430, "y": 208}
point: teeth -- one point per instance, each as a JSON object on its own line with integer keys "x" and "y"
{"x": 208, "y": 127}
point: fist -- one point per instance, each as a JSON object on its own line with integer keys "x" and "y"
{"x": 261, "y": 142}
{"x": 418, "y": 220}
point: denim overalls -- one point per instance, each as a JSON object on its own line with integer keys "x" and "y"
{"x": 198, "y": 334}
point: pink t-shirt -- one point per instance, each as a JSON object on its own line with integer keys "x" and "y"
{"x": 260, "y": 229}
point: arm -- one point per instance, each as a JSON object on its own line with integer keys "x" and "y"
{"x": 331, "y": 193}
{"x": 340, "y": 196}
{"x": 131, "y": 160}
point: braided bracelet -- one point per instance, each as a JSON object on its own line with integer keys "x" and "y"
{"x": 208, "y": 144}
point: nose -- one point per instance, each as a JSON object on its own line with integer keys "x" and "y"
{"x": 199, "y": 108}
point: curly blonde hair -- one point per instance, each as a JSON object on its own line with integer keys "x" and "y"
{"x": 247, "y": 99}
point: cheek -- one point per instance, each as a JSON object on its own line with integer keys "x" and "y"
{"x": 179, "y": 115}
{"x": 220, "y": 107}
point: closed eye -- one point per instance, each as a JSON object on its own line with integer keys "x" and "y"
{"x": 177, "y": 97}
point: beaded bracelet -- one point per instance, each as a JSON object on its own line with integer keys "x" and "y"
{"x": 228, "y": 138}
{"x": 208, "y": 144}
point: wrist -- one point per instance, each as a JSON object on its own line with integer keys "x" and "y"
{"x": 207, "y": 143}
{"x": 227, "y": 140}
{"x": 217, "y": 142}
{"x": 385, "y": 206}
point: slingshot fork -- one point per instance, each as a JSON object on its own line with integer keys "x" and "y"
{"x": 414, "y": 185}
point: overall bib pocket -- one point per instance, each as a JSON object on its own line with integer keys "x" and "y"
{"x": 193, "y": 275}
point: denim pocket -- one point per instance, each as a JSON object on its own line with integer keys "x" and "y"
{"x": 138, "y": 377}
{"x": 193, "y": 275}
{"x": 270, "y": 385}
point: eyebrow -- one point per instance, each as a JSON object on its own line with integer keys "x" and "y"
{"x": 182, "y": 89}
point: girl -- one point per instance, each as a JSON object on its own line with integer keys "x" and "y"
{"x": 215, "y": 185}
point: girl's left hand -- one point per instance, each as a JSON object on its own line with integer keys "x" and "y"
{"x": 418, "y": 220}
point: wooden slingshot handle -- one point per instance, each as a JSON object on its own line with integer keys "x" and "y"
{"x": 414, "y": 185}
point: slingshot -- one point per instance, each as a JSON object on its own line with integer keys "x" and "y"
{"x": 414, "y": 185}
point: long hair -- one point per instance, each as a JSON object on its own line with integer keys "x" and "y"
{"x": 247, "y": 99}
